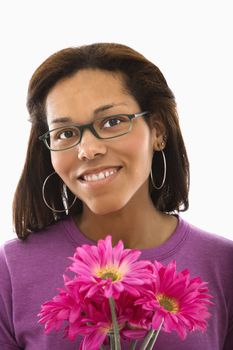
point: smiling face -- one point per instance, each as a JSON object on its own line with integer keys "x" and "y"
{"x": 104, "y": 174}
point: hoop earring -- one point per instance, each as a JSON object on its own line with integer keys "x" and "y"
{"x": 64, "y": 197}
{"x": 164, "y": 173}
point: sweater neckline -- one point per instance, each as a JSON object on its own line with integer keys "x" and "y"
{"x": 162, "y": 252}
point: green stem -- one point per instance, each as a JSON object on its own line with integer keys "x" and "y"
{"x": 147, "y": 339}
{"x": 112, "y": 342}
{"x": 115, "y": 324}
{"x": 154, "y": 337}
{"x": 133, "y": 345}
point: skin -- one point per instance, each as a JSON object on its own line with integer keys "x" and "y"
{"x": 119, "y": 205}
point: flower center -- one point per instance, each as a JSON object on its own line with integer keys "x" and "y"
{"x": 170, "y": 304}
{"x": 109, "y": 272}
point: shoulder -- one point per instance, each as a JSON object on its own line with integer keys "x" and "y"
{"x": 208, "y": 251}
{"x": 52, "y": 231}
{"x": 48, "y": 241}
{"x": 42, "y": 257}
{"x": 209, "y": 240}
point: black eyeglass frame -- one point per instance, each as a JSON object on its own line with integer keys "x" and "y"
{"x": 90, "y": 127}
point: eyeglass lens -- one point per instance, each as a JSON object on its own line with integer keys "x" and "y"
{"x": 109, "y": 127}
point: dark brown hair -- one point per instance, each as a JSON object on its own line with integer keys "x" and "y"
{"x": 146, "y": 83}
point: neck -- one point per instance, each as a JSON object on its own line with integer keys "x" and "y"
{"x": 139, "y": 226}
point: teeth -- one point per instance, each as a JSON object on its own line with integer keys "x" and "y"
{"x": 99, "y": 176}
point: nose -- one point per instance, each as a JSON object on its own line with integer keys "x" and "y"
{"x": 90, "y": 146}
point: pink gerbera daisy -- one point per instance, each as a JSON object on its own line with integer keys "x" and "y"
{"x": 110, "y": 269}
{"x": 97, "y": 325}
{"x": 67, "y": 306}
{"x": 177, "y": 300}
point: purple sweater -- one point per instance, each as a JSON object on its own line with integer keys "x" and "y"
{"x": 31, "y": 271}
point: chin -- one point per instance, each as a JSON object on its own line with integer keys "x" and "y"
{"x": 106, "y": 208}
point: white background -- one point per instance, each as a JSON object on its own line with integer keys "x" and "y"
{"x": 190, "y": 41}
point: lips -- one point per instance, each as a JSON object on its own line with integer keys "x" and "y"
{"x": 98, "y": 174}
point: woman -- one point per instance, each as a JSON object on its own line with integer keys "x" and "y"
{"x": 105, "y": 156}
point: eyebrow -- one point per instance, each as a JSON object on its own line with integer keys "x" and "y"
{"x": 96, "y": 112}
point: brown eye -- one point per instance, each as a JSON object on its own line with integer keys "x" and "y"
{"x": 113, "y": 121}
{"x": 67, "y": 134}
{"x": 64, "y": 134}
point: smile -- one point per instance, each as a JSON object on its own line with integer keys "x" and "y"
{"x": 104, "y": 174}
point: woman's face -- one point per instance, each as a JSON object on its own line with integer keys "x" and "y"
{"x": 104, "y": 174}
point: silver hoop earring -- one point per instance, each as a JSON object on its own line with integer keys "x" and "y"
{"x": 164, "y": 173}
{"x": 64, "y": 197}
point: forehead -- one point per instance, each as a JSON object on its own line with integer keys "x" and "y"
{"x": 86, "y": 91}
{"x": 86, "y": 82}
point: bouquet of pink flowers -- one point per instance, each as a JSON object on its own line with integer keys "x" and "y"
{"x": 114, "y": 296}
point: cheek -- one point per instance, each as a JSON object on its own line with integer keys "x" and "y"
{"x": 61, "y": 163}
{"x": 139, "y": 153}
{"x": 140, "y": 149}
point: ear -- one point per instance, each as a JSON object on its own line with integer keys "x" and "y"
{"x": 159, "y": 136}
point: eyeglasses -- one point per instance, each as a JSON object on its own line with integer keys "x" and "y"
{"x": 68, "y": 136}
